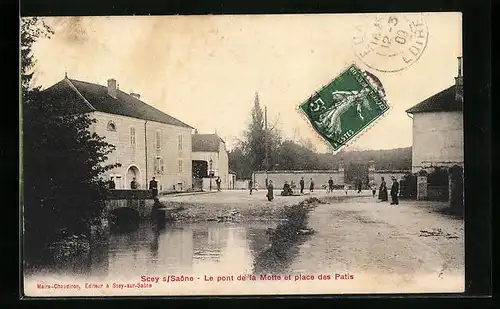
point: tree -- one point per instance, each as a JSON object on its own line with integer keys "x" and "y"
{"x": 62, "y": 161}
{"x": 32, "y": 28}
{"x": 239, "y": 163}
{"x": 255, "y": 138}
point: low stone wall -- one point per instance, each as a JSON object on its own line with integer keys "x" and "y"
{"x": 241, "y": 185}
{"x": 118, "y": 194}
{"x": 320, "y": 178}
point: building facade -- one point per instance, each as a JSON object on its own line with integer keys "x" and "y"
{"x": 209, "y": 154}
{"x": 438, "y": 137}
{"x": 438, "y": 132}
{"x": 149, "y": 143}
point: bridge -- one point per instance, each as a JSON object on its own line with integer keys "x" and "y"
{"x": 128, "y": 201}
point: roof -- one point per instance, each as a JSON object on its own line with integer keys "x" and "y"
{"x": 81, "y": 97}
{"x": 206, "y": 142}
{"x": 443, "y": 101}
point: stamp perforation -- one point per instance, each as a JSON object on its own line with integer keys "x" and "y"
{"x": 362, "y": 129}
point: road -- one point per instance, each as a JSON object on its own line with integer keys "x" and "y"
{"x": 409, "y": 247}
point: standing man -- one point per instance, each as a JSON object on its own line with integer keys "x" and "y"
{"x": 111, "y": 183}
{"x": 153, "y": 186}
{"x": 133, "y": 184}
{"x": 394, "y": 191}
{"x": 358, "y": 185}
{"x": 330, "y": 185}
{"x": 250, "y": 184}
{"x": 302, "y": 184}
{"x": 218, "y": 181}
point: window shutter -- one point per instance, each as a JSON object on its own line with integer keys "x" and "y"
{"x": 161, "y": 164}
{"x": 155, "y": 168}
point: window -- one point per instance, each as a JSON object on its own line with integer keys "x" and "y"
{"x": 179, "y": 142}
{"x": 158, "y": 165}
{"x": 111, "y": 126}
{"x": 179, "y": 167}
{"x": 132, "y": 137}
{"x": 158, "y": 139}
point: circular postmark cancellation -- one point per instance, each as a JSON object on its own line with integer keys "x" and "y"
{"x": 392, "y": 42}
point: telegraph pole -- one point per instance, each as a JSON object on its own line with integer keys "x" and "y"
{"x": 266, "y": 143}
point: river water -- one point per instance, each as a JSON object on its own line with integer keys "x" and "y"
{"x": 174, "y": 249}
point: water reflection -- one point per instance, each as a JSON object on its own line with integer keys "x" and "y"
{"x": 151, "y": 249}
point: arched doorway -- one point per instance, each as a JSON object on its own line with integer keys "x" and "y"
{"x": 133, "y": 172}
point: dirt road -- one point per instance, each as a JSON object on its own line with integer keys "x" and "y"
{"x": 407, "y": 247}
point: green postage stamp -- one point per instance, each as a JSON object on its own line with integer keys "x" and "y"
{"x": 344, "y": 108}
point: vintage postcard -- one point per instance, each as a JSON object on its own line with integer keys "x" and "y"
{"x": 242, "y": 155}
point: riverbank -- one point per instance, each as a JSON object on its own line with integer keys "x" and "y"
{"x": 245, "y": 208}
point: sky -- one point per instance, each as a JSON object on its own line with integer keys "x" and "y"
{"x": 205, "y": 70}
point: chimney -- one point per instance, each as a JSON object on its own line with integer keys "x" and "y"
{"x": 195, "y": 131}
{"x": 112, "y": 87}
{"x": 459, "y": 88}
{"x": 135, "y": 95}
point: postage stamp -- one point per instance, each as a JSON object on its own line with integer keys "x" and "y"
{"x": 391, "y": 43}
{"x": 346, "y": 106}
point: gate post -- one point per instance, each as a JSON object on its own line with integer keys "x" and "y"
{"x": 422, "y": 185}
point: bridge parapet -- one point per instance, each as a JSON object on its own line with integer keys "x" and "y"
{"x": 139, "y": 200}
{"x": 118, "y": 194}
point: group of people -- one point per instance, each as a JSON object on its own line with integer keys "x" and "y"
{"x": 382, "y": 194}
{"x": 153, "y": 185}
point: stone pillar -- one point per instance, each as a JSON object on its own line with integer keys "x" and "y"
{"x": 421, "y": 187}
{"x": 341, "y": 170}
{"x": 371, "y": 172}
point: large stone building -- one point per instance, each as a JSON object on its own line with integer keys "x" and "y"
{"x": 209, "y": 154}
{"x": 438, "y": 136}
{"x": 149, "y": 143}
{"x": 438, "y": 132}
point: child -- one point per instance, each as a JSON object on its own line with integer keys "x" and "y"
{"x": 374, "y": 190}
{"x": 346, "y": 187}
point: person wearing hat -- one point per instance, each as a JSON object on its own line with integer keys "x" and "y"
{"x": 394, "y": 191}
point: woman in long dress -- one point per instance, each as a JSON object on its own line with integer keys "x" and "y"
{"x": 270, "y": 191}
{"x": 382, "y": 193}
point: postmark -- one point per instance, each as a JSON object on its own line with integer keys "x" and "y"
{"x": 391, "y": 42}
{"x": 345, "y": 107}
